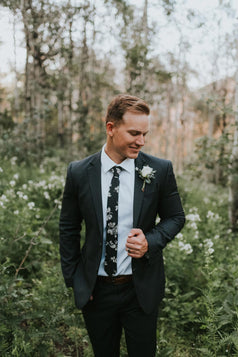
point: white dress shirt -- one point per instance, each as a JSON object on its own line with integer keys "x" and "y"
{"x": 125, "y": 209}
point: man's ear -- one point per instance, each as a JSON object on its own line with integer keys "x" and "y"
{"x": 109, "y": 127}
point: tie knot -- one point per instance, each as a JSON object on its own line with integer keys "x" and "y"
{"x": 116, "y": 170}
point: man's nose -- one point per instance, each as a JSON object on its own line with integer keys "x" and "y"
{"x": 140, "y": 140}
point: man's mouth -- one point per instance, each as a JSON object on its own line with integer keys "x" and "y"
{"x": 133, "y": 148}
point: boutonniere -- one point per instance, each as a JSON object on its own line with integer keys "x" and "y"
{"x": 146, "y": 174}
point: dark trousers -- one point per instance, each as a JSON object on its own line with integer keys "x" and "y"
{"x": 113, "y": 308}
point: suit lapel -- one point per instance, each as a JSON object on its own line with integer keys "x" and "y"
{"x": 94, "y": 174}
{"x": 138, "y": 193}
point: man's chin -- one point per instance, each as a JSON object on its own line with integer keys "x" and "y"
{"x": 133, "y": 155}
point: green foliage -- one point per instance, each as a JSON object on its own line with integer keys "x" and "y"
{"x": 38, "y": 317}
{"x": 212, "y": 158}
{"x": 199, "y": 315}
{"x": 6, "y": 121}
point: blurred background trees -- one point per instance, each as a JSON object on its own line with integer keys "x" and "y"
{"x": 78, "y": 55}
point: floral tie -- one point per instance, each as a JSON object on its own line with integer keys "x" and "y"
{"x": 110, "y": 263}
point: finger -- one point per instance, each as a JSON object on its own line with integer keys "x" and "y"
{"x": 135, "y": 255}
{"x": 134, "y": 240}
{"x": 134, "y": 231}
{"x": 130, "y": 250}
{"x": 133, "y": 247}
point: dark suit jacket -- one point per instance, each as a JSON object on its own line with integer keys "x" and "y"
{"x": 82, "y": 201}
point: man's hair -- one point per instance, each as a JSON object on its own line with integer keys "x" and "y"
{"x": 123, "y": 103}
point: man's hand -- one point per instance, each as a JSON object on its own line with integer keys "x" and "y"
{"x": 136, "y": 244}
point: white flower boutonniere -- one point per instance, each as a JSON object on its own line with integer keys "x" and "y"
{"x": 146, "y": 174}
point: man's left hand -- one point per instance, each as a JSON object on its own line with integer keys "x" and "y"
{"x": 136, "y": 244}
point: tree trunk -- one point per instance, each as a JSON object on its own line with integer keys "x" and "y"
{"x": 16, "y": 94}
{"x": 71, "y": 55}
{"x": 28, "y": 103}
{"x": 233, "y": 182}
{"x": 60, "y": 124}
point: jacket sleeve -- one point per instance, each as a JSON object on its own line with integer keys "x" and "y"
{"x": 70, "y": 227}
{"x": 170, "y": 210}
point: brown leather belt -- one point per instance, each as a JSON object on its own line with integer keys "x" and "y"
{"x": 118, "y": 279}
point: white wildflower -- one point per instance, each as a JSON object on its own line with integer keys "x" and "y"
{"x": 210, "y": 214}
{"x": 10, "y": 192}
{"x": 179, "y": 236}
{"x": 213, "y": 216}
{"x": 210, "y": 251}
{"x": 16, "y": 176}
{"x": 13, "y": 160}
{"x": 196, "y": 235}
{"x": 193, "y": 217}
{"x": 209, "y": 243}
{"x": 20, "y": 194}
{"x": 25, "y": 197}
{"x": 193, "y": 210}
{"x": 16, "y": 212}
{"x": 4, "y": 198}
{"x": 193, "y": 225}
{"x": 42, "y": 183}
{"x": 47, "y": 196}
{"x": 12, "y": 183}
{"x": 1, "y": 170}
{"x": 2, "y": 204}
{"x": 31, "y": 205}
{"x": 186, "y": 247}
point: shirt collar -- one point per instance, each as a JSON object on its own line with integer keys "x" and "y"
{"x": 108, "y": 163}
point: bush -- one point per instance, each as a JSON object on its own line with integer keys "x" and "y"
{"x": 199, "y": 313}
{"x": 198, "y": 316}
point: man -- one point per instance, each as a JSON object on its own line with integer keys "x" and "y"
{"x": 118, "y": 274}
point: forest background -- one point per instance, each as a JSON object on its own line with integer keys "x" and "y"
{"x": 77, "y": 56}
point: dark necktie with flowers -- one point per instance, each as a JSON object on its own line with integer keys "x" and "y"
{"x": 110, "y": 264}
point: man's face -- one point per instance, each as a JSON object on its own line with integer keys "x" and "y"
{"x": 127, "y": 138}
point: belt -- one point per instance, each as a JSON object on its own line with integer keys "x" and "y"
{"x": 118, "y": 279}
